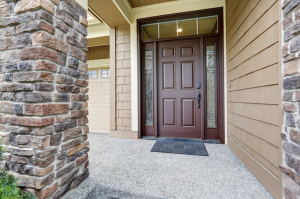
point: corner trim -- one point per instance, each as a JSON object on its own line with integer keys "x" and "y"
{"x": 112, "y": 41}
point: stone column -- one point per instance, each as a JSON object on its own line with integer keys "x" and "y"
{"x": 290, "y": 99}
{"x": 43, "y": 100}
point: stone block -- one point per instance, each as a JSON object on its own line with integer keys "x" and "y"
{"x": 44, "y": 171}
{"x": 23, "y": 40}
{"x": 75, "y": 89}
{"x": 62, "y": 15}
{"x": 70, "y": 11}
{"x": 85, "y": 165}
{"x": 55, "y": 139}
{"x": 42, "y": 162}
{"x": 19, "y": 168}
{"x": 84, "y": 138}
{"x": 61, "y": 25}
{"x": 45, "y": 65}
{"x": 9, "y": 31}
{"x": 60, "y": 164}
{"x": 45, "y": 181}
{"x": 79, "y": 179}
{"x": 79, "y": 97}
{"x": 72, "y": 133}
{"x": 69, "y": 71}
{"x": 65, "y": 170}
{"x": 79, "y": 113}
{"x": 62, "y": 155}
{"x": 44, "y": 131}
{"x": 46, "y": 109}
{"x": 289, "y": 107}
{"x": 44, "y": 87}
{"x": 79, "y": 82}
{"x": 25, "y": 65}
{"x": 45, "y": 39}
{"x": 80, "y": 28}
{"x": 85, "y": 130}
{"x": 61, "y": 97}
{"x": 35, "y": 25}
{"x": 64, "y": 79}
{"x": 82, "y": 121}
{"x": 45, "y": 153}
{"x": 84, "y": 76}
{"x": 70, "y": 40}
{"x": 61, "y": 126}
{"x": 8, "y": 96}
{"x": 77, "y": 148}
{"x": 62, "y": 59}
{"x": 64, "y": 88}
{"x": 76, "y": 105}
{"x": 39, "y": 53}
{"x": 84, "y": 21}
{"x": 73, "y": 63}
{"x": 70, "y": 144}
{"x": 75, "y": 52}
{"x": 33, "y": 76}
{"x": 20, "y": 151}
{"x": 290, "y": 120}
{"x": 33, "y": 97}
{"x": 26, "y": 5}
{"x": 81, "y": 160}
{"x": 62, "y": 118}
{"x": 72, "y": 123}
{"x": 38, "y": 142}
{"x": 47, "y": 191}
{"x": 69, "y": 176}
{"x": 17, "y": 159}
{"x": 80, "y": 45}
{"x": 83, "y": 67}
{"x": 73, "y": 33}
{"x": 41, "y": 14}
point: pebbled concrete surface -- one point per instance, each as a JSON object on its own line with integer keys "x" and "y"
{"x": 125, "y": 168}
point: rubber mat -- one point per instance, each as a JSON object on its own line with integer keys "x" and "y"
{"x": 187, "y": 147}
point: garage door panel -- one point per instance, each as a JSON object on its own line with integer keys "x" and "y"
{"x": 99, "y": 104}
{"x": 93, "y": 86}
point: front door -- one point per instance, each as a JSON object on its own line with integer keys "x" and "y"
{"x": 180, "y": 82}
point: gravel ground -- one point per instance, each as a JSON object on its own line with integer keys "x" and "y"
{"x": 125, "y": 168}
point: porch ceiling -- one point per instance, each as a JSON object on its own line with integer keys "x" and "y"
{"x": 139, "y": 3}
{"x": 108, "y": 11}
{"x": 98, "y": 41}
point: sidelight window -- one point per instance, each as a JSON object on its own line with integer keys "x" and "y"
{"x": 211, "y": 85}
{"x": 148, "y": 76}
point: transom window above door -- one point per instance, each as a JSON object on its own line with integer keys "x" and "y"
{"x": 179, "y": 28}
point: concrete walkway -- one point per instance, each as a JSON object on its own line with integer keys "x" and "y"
{"x": 125, "y": 168}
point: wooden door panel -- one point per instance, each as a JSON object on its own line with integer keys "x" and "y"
{"x": 187, "y": 75}
{"x": 168, "y": 52}
{"x": 169, "y": 112}
{"x": 187, "y": 51}
{"x": 188, "y": 112}
{"x": 169, "y": 76}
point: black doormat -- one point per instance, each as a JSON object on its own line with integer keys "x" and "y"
{"x": 188, "y": 147}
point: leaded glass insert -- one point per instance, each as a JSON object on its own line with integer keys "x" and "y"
{"x": 149, "y": 87}
{"x": 211, "y": 85}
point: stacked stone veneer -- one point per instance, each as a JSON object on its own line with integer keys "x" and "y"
{"x": 291, "y": 97}
{"x": 43, "y": 96}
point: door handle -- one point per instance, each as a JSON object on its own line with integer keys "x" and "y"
{"x": 198, "y": 99}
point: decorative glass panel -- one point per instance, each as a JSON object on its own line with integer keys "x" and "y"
{"x": 211, "y": 85}
{"x": 187, "y": 27}
{"x": 150, "y": 31}
{"x": 149, "y": 87}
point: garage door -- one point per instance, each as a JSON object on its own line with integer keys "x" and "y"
{"x": 99, "y": 103}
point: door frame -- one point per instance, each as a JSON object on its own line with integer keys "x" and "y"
{"x": 220, "y": 57}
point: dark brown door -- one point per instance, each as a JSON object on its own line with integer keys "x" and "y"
{"x": 179, "y": 75}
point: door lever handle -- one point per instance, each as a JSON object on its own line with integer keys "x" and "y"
{"x": 198, "y": 99}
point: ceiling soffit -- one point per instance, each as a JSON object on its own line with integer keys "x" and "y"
{"x": 108, "y": 12}
{"x": 98, "y": 41}
{"x": 139, "y": 3}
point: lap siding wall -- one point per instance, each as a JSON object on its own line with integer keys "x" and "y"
{"x": 254, "y": 87}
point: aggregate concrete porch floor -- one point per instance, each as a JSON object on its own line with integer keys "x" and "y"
{"x": 125, "y": 168}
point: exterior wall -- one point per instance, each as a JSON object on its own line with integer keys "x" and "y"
{"x": 290, "y": 97}
{"x": 43, "y": 104}
{"x": 254, "y": 84}
{"x": 123, "y": 78}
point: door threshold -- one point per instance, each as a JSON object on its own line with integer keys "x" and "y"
{"x": 181, "y": 139}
